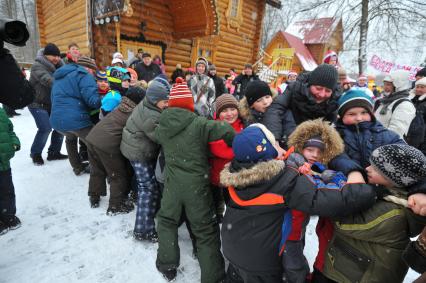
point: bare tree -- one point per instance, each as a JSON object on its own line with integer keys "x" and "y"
{"x": 388, "y": 20}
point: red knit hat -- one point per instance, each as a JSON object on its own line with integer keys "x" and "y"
{"x": 180, "y": 96}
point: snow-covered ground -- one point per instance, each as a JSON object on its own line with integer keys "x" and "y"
{"x": 63, "y": 240}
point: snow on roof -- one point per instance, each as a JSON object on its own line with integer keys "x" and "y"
{"x": 313, "y": 31}
{"x": 305, "y": 57}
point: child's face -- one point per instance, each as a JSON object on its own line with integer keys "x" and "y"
{"x": 229, "y": 115}
{"x": 103, "y": 85}
{"x": 262, "y": 103}
{"x": 125, "y": 84}
{"x": 312, "y": 154}
{"x": 356, "y": 115}
{"x": 420, "y": 89}
{"x": 162, "y": 104}
{"x": 374, "y": 177}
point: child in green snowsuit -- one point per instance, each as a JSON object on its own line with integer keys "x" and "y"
{"x": 185, "y": 137}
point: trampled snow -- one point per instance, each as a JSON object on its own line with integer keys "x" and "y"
{"x": 63, "y": 240}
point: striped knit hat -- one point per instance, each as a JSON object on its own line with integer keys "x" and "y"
{"x": 181, "y": 96}
{"x": 355, "y": 98}
{"x": 87, "y": 62}
{"x": 101, "y": 75}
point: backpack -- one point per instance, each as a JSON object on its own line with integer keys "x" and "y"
{"x": 416, "y": 132}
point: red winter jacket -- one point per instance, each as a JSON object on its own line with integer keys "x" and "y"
{"x": 222, "y": 154}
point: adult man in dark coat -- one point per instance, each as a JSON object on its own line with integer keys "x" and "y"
{"x": 146, "y": 70}
{"x": 242, "y": 80}
{"x": 46, "y": 63}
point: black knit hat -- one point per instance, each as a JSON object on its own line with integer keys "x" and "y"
{"x": 51, "y": 49}
{"x": 421, "y": 72}
{"x": 402, "y": 164}
{"x": 135, "y": 94}
{"x": 324, "y": 75}
{"x": 256, "y": 90}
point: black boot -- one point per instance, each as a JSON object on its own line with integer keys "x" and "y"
{"x": 56, "y": 156}
{"x": 37, "y": 159}
{"x": 168, "y": 274}
{"x": 3, "y": 228}
{"x": 12, "y": 222}
{"x": 94, "y": 201}
{"x": 84, "y": 169}
{"x": 121, "y": 208}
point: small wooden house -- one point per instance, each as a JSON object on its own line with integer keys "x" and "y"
{"x": 226, "y": 32}
{"x": 288, "y": 46}
{"x": 319, "y": 35}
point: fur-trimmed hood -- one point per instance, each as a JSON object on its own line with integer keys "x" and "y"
{"x": 333, "y": 142}
{"x": 261, "y": 172}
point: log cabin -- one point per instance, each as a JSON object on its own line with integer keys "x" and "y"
{"x": 305, "y": 43}
{"x": 226, "y": 32}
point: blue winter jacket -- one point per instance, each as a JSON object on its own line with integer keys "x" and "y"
{"x": 74, "y": 94}
{"x": 361, "y": 140}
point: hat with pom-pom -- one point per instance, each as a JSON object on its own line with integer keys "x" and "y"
{"x": 180, "y": 96}
{"x": 254, "y": 144}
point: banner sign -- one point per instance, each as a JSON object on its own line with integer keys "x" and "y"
{"x": 386, "y": 67}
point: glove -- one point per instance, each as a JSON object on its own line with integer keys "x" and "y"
{"x": 297, "y": 161}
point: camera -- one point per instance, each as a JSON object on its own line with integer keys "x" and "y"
{"x": 13, "y": 31}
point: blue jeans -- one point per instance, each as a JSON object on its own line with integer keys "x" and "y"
{"x": 41, "y": 118}
{"x": 148, "y": 196}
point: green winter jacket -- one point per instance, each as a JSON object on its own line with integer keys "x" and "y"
{"x": 184, "y": 137}
{"x": 9, "y": 142}
{"x": 367, "y": 247}
{"x": 138, "y": 142}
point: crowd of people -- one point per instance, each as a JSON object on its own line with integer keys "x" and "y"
{"x": 204, "y": 150}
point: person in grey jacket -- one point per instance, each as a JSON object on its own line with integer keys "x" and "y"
{"x": 139, "y": 145}
{"x": 41, "y": 79}
{"x": 203, "y": 89}
{"x": 396, "y": 111}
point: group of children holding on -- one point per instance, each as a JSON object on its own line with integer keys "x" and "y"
{"x": 269, "y": 192}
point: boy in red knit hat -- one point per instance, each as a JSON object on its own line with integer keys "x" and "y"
{"x": 184, "y": 137}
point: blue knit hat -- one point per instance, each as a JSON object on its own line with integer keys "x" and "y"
{"x": 355, "y": 98}
{"x": 101, "y": 75}
{"x": 254, "y": 144}
{"x": 158, "y": 89}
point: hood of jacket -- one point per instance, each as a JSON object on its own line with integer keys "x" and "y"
{"x": 333, "y": 142}
{"x": 174, "y": 120}
{"x": 259, "y": 173}
{"x": 68, "y": 68}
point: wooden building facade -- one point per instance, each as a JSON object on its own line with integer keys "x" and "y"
{"x": 226, "y": 32}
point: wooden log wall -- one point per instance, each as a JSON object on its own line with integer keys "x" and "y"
{"x": 233, "y": 50}
{"x": 62, "y": 22}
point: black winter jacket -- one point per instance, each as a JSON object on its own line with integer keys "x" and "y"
{"x": 241, "y": 82}
{"x": 296, "y": 106}
{"x": 219, "y": 85}
{"x": 147, "y": 73}
{"x": 251, "y": 234}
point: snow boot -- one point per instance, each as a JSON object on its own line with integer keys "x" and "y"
{"x": 84, "y": 156}
{"x": 168, "y": 274}
{"x": 37, "y": 159}
{"x": 149, "y": 237}
{"x": 94, "y": 201}
{"x": 56, "y": 156}
{"x": 84, "y": 169}
{"x": 11, "y": 221}
{"x": 121, "y": 208}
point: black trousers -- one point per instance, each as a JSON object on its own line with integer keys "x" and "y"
{"x": 237, "y": 275}
{"x": 7, "y": 194}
